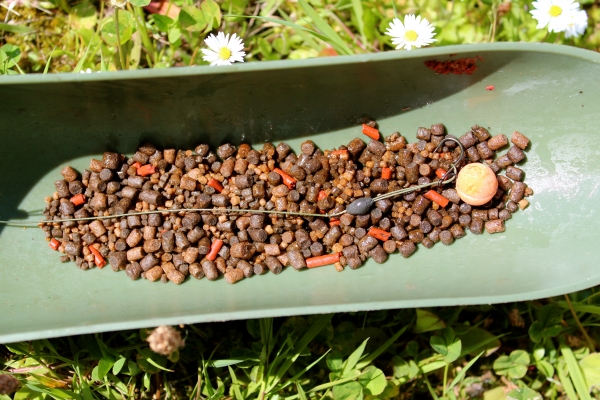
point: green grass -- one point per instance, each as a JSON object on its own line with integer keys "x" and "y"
{"x": 446, "y": 352}
{"x": 546, "y": 346}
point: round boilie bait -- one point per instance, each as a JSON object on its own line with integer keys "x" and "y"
{"x": 476, "y": 184}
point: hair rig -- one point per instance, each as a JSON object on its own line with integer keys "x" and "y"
{"x": 359, "y": 206}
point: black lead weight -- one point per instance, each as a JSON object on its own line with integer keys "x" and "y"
{"x": 360, "y": 206}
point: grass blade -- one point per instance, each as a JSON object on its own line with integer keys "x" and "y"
{"x": 371, "y": 357}
{"x": 335, "y": 383}
{"x": 15, "y": 28}
{"x": 566, "y": 383}
{"x": 462, "y": 372}
{"x": 79, "y": 65}
{"x": 358, "y": 12}
{"x": 333, "y": 38}
{"x": 314, "y": 330}
{"x": 302, "y": 372}
{"x": 575, "y": 372}
{"x": 353, "y": 358}
{"x": 301, "y": 393}
{"x": 283, "y": 22}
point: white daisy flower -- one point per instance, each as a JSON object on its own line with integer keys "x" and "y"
{"x": 415, "y": 32}
{"x": 223, "y": 50}
{"x": 553, "y": 13}
{"x": 577, "y": 23}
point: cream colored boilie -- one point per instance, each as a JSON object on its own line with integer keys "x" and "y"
{"x": 476, "y": 184}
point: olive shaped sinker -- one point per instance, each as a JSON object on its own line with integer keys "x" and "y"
{"x": 476, "y": 184}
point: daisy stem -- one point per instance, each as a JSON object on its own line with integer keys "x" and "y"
{"x": 120, "y": 59}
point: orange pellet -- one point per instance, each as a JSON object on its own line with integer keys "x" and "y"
{"x": 334, "y": 222}
{"x": 78, "y": 199}
{"x": 370, "y": 132}
{"x": 440, "y": 172}
{"x": 287, "y": 180}
{"x": 386, "y": 173}
{"x": 379, "y": 234}
{"x": 147, "y": 169}
{"x": 136, "y": 165}
{"x": 322, "y": 195}
{"x": 214, "y": 250}
{"x": 320, "y": 261}
{"x": 98, "y": 259}
{"x": 215, "y": 184}
{"x": 436, "y": 198}
{"x": 54, "y": 244}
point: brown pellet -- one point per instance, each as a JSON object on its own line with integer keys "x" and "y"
{"x": 497, "y": 142}
{"x": 480, "y": 133}
{"x": 243, "y": 251}
{"x": 135, "y": 254}
{"x": 389, "y": 246}
{"x": 234, "y": 275}
{"x": 484, "y": 150}
{"x": 196, "y": 271}
{"x": 494, "y": 226}
{"x": 151, "y": 197}
{"x": 476, "y": 225}
{"x": 148, "y": 262}
{"x": 519, "y": 140}
{"x": 154, "y": 274}
{"x": 504, "y": 183}
{"x": 296, "y": 259}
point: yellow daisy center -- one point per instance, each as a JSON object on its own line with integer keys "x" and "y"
{"x": 411, "y": 35}
{"x": 555, "y": 11}
{"x": 224, "y": 53}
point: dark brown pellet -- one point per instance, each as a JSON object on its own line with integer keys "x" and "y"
{"x": 468, "y": 140}
{"x": 210, "y": 270}
{"x": 515, "y": 154}
{"x": 457, "y": 231}
{"x": 412, "y": 172}
{"x": 398, "y": 233}
{"x": 484, "y": 150}
{"x": 378, "y": 254}
{"x": 480, "y": 133}
{"x": 148, "y": 262}
{"x": 376, "y": 147}
{"x": 517, "y": 191}
{"x": 151, "y": 197}
{"x": 512, "y": 206}
{"x": 476, "y": 225}
{"x": 303, "y": 238}
{"x": 118, "y": 260}
{"x": 473, "y": 154}
{"x": 273, "y": 264}
{"x": 480, "y": 214}
{"x": 296, "y": 259}
{"x": 389, "y": 246}
{"x": 62, "y": 188}
{"x": 168, "y": 241}
{"x": 504, "y": 183}
{"x": 464, "y": 220}
{"x": 446, "y": 237}
{"x": 133, "y": 271}
{"x": 367, "y": 243}
{"x": 515, "y": 173}
{"x": 407, "y": 248}
{"x": 258, "y": 235}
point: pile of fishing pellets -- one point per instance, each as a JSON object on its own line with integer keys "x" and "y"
{"x": 169, "y": 246}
